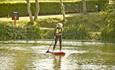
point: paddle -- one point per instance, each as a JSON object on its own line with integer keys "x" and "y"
{"x": 49, "y": 47}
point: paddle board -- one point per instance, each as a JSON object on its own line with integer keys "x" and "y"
{"x": 57, "y": 52}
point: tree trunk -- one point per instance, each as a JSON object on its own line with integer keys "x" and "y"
{"x": 29, "y": 11}
{"x": 37, "y": 9}
{"x": 63, "y": 10}
{"x": 84, "y": 7}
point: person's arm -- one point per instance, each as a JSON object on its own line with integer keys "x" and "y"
{"x": 61, "y": 30}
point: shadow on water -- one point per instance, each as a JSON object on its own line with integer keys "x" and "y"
{"x": 34, "y": 57}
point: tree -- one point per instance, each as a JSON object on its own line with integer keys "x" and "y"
{"x": 29, "y": 11}
{"x": 63, "y": 10}
{"x": 108, "y": 32}
{"x": 32, "y": 19}
{"x": 37, "y": 9}
{"x": 84, "y": 7}
{"x": 102, "y": 4}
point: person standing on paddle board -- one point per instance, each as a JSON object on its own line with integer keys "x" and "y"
{"x": 58, "y": 35}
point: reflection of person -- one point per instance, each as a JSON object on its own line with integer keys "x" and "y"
{"x": 58, "y": 35}
{"x": 57, "y": 62}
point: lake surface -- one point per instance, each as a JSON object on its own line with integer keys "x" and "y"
{"x": 79, "y": 57}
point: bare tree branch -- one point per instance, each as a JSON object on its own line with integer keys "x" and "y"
{"x": 84, "y": 6}
{"x": 37, "y": 9}
{"x": 63, "y": 10}
{"x": 29, "y": 11}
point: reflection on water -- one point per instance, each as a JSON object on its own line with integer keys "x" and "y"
{"x": 90, "y": 57}
{"x": 6, "y": 61}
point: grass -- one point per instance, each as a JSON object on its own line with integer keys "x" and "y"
{"x": 23, "y": 20}
{"x": 26, "y": 19}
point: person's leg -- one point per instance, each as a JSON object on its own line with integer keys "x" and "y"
{"x": 60, "y": 42}
{"x": 56, "y": 38}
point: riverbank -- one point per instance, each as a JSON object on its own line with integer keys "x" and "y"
{"x": 48, "y": 42}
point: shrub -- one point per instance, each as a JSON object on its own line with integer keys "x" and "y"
{"x": 48, "y": 22}
{"x": 91, "y": 5}
{"x": 27, "y": 32}
{"x": 94, "y": 22}
{"x": 76, "y": 27}
{"x": 47, "y": 34}
{"x": 108, "y": 33}
{"x": 75, "y": 31}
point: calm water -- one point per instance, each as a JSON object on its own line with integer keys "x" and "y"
{"x": 34, "y": 57}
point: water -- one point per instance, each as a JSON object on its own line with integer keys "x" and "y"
{"x": 34, "y": 57}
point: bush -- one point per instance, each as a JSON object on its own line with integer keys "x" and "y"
{"x": 48, "y": 22}
{"x": 108, "y": 33}
{"x": 7, "y": 8}
{"x": 47, "y": 34}
{"x": 76, "y": 27}
{"x": 94, "y": 22}
{"x": 28, "y": 32}
{"x": 75, "y": 31}
{"x": 91, "y": 5}
{"x": 84, "y": 26}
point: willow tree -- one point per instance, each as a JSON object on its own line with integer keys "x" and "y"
{"x": 32, "y": 19}
{"x": 63, "y": 10}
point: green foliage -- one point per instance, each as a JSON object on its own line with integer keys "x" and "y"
{"x": 48, "y": 22}
{"x": 7, "y": 8}
{"x": 78, "y": 31}
{"x": 84, "y": 26}
{"x": 72, "y": 7}
{"x": 47, "y": 34}
{"x": 103, "y": 4}
{"x": 33, "y": 31}
{"x": 93, "y": 21}
{"x": 28, "y": 32}
{"x": 45, "y": 8}
{"x": 108, "y": 33}
{"x": 76, "y": 27}
{"x": 91, "y": 5}
{"x": 50, "y": 8}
